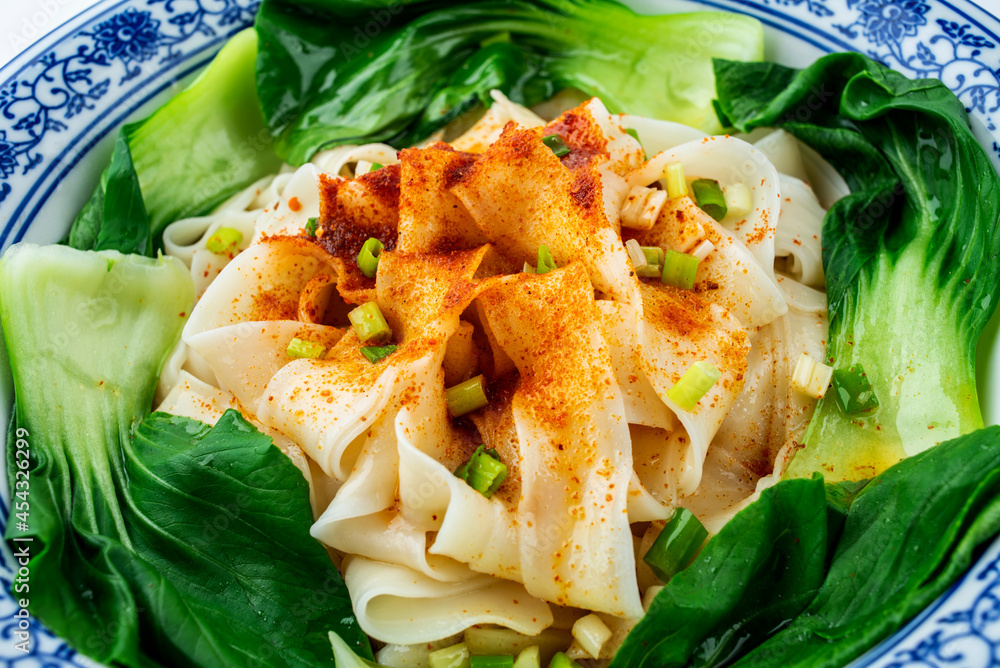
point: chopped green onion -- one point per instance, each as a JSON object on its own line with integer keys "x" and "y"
{"x": 635, "y": 254}
{"x": 466, "y": 397}
{"x": 304, "y": 349}
{"x": 311, "y": 226}
{"x": 703, "y": 249}
{"x": 810, "y": 377}
{"x": 854, "y": 392}
{"x": 528, "y": 269}
{"x": 456, "y": 656}
{"x": 738, "y": 200}
{"x": 694, "y": 384}
{"x": 708, "y": 195}
{"x": 505, "y": 661}
{"x": 483, "y": 471}
{"x": 224, "y": 241}
{"x": 654, "y": 254}
{"x": 633, "y": 133}
{"x": 530, "y": 657}
{"x": 378, "y": 353}
{"x": 463, "y": 470}
{"x": 369, "y": 323}
{"x": 679, "y": 269}
{"x": 560, "y": 660}
{"x": 649, "y": 271}
{"x": 556, "y": 143}
{"x": 676, "y": 183}
{"x": 368, "y": 257}
{"x": 375, "y": 167}
{"x": 546, "y": 263}
{"x": 486, "y": 474}
{"x": 677, "y": 545}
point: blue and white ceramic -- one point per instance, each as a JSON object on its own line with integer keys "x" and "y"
{"x": 63, "y": 97}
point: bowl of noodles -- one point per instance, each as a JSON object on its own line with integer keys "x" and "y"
{"x": 525, "y": 267}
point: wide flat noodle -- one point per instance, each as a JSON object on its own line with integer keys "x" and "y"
{"x": 729, "y": 161}
{"x": 730, "y": 275}
{"x": 522, "y": 196}
{"x": 431, "y": 218}
{"x": 768, "y": 421}
{"x": 800, "y": 231}
{"x": 576, "y": 547}
{"x": 681, "y": 328}
{"x": 399, "y": 605}
{"x": 243, "y": 324}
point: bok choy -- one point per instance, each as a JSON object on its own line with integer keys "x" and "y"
{"x": 912, "y": 255}
{"x": 202, "y": 146}
{"x": 153, "y": 539}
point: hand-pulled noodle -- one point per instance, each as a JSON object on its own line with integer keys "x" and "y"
{"x": 579, "y": 362}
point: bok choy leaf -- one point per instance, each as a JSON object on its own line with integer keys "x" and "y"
{"x": 335, "y": 71}
{"x": 803, "y": 579}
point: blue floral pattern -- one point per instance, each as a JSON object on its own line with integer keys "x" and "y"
{"x": 891, "y": 21}
{"x": 61, "y": 101}
{"x": 67, "y": 82}
{"x": 129, "y": 36}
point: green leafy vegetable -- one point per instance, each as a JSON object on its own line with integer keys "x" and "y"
{"x": 912, "y": 255}
{"x": 762, "y": 569}
{"x": 837, "y": 572}
{"x": 156, "y": 539}
{"x": 202, "y": 146}
{"x": 336, "y": 71}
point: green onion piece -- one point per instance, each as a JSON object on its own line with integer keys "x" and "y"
{"x": 302, "y": 348}
{"x": 369, "y": 323}
{"x": 528, "y": 269}
{"x": 368, "y": 257}
{"x": 483, "y": 471}
{"x": 530, "y": 657}
{"x": 556, "y": 143}
{"x": 499, "y": 38}
{"x": 633, "y": 133}
{"x": 560, "y": 660}
{"x": 649, "y": 271}
{"x": 546, "y": 263}
{"x": 654, "y": 254}
{"x": 708, "y": 196}
{"x": 377, "y": 353}
{"x": 854, "y": 393}
{"x": 487, "y": 472}
{"x": 505, "y": 661}
{"x": 466, "y": 397}
{"x": 738, "y": 199}
{"x": 456, "y": 656}
{"x": 375, "y": 167}
{"x": 311, "y": 226}
{"x": 676, "y": 183}
{"x": 694, "y": 384}
{"x": 635, "y": 253}
{"x": 677, "y": 545}
{"x": 224, "y": 241}
{"x": 679, "y": 269}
